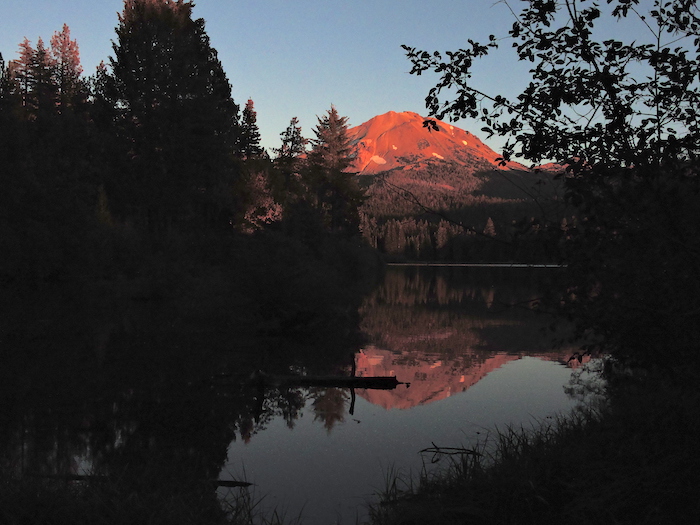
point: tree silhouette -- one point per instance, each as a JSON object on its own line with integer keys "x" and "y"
{"x": 293, "y": 142}
{"x": 249, "y": 134}
{"x": 176, "y": 119}
{"x": 621, "y": 118}
{"x": 66, "y": 57}
{"x": 337, "y": 194}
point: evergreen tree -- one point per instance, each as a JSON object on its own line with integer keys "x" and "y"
{"x": 176, "y": 119}
{"x": 293, "y": 142}
{"x": 490, "y": 228}
{"x": 337, "y": 194}
{"x": 249, "y": 134}
{"x": 45, "y": 96}
{"x": 66, "y": 57}
{"x": 20, "y": 70}
{"x": 332, "y": 149}
{"x": 289, "y": 158}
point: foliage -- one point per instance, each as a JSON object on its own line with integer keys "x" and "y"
{"x": 622, "y": 117}
{"x": 249, "y": 134}
{"x": 312, "y": 195}
{"x": 629, "y": 462}
{"x": 175, "y": 119}
{"x": 142, "y": 181}
{"x": 441, "y": 212}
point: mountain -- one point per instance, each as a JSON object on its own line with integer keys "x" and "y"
{"x": 400, "y": 141}
{"x": 443, "y": 194}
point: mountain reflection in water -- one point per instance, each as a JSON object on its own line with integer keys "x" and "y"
{"x": 444, "y": 331}
{"x": 161, "y": 402}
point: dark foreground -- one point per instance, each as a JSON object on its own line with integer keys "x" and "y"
{"x": 633, "y": 461}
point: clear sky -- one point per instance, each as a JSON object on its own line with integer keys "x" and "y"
{"x": 297, "y": 57}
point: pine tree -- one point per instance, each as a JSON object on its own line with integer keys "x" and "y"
{"x": 337, "y": 194}
{"x": 66, "y": 57}
{"x": 45, "y": 97}
{"x": 176, "y": 117}
{"x": 20, "y": 70}
{"x": 289, "y": 159}
{"x": 293, "y": 142}
{"x": 249, "y": 133}
{"x": 332, "y": 149}
{"x": 490, "y": 228}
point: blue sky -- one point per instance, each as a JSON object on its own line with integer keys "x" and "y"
{"x": 297, "y": 57}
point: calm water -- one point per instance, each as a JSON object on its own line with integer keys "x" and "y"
{"x": 472, "y": 362}
{"x": 144, "y": 395}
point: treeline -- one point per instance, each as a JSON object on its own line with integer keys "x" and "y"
{"x": 146, "y": 181}
{"x": 449, "y": 212}
{"x": 149, "y": 171}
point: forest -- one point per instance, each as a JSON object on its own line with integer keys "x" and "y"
{"x": 147, "y": 180}
{"x": 473, "y": 213}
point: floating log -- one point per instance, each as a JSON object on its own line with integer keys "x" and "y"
{"x": 374, "y": 383}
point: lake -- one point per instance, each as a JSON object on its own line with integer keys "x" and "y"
{"x": 140, "y": 394}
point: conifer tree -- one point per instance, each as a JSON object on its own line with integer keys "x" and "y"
{"x": 176, "y": 118}
{"x": 332, "y": 149}
{"x": 490, "y": 228}
{"x": 293, "y": 142}
{"x": 249, "y": 133}
{"x": 20, "y": 70}
{"x": 289, "y": 156}
{"x": 337, "y": 194}
{"x": 45, "y": 96}
{"x": 66, "y": 57}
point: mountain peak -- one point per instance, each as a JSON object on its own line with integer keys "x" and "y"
{"x": 399, "y": 141}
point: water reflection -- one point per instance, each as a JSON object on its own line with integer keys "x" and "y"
{"x": 444, "y": 329}
{"x": 162, "y": 403}
{"x": 137, "y": 400}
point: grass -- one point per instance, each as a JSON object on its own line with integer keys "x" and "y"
{"x": 633, "y": 460}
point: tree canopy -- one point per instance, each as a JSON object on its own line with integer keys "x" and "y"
{"x": 174, "y": 113}
{"x": 621, "y": 118}
{"x": 337, "y": 192}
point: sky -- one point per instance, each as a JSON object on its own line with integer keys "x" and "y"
{"x": 297, "y": 57}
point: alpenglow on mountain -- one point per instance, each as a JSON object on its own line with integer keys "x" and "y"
{"x": 400, "y": 141}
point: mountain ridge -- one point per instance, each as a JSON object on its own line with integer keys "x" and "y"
{"x": 400, "y": 141}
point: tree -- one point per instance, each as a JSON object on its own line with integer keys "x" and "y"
{"x": 332, "y": 149}
{"x": 490, "y": 229}
{"x": 337, "y": 194}
{"x": 621, "y": 118}
{"x": 20, "y": 70}
{"x": 249, "y": 134}
{"x": 289, "y": 160}
{"x": 293, "y": 142}
{"x": 66, "y": 58}
{"x": 176, "y": 120}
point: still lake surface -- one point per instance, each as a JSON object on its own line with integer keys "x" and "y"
{"x": 473, "y": 363}
{"x": 88, "y": 392}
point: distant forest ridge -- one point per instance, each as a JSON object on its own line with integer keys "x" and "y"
{"x": 437, "y": 192}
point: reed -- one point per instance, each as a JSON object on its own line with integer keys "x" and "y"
{"x": 632, "y": 460}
